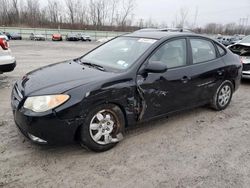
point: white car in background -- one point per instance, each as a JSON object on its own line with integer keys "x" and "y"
{"x": 242, "y": 48}
{"x": 7, "y": 61}
{"x": 2, "y": 35}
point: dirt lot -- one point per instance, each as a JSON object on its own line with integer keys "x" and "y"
{"x": 199, "y": 148}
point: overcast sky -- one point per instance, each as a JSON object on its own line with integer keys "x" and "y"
{"x": 218, "y": 11}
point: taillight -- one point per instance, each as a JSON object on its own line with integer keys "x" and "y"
{"x": 4, "y": 44}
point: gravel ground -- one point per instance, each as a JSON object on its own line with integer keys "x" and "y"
{"x": 198, "y": 148}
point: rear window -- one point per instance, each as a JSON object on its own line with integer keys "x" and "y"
{"x": 221, "y": 50}
{"x": 202, "y": 50}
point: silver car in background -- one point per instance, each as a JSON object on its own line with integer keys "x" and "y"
{"x": 7, "y": 61}
{"x": 39, "y": 37}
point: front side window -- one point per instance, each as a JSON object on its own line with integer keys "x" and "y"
{"x": 120, "y": 53}
{"x": 173, "y": 54}
{"x": 202, "y": 50}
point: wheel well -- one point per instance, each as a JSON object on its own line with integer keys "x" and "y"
{"x": 233, "y": 82}
{"x": 77, "y": 132}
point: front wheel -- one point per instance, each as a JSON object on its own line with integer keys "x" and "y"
{"x": 103, "y": 128}
{"x": 223, "y": 96}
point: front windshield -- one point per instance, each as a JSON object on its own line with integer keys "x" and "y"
{"x": 119, "y": 53}
{"x": 245, "y": 40}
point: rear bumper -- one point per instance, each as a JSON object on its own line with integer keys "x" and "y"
{"x": 73, "y": 39}
{"x": 8, "y": 67}
{"x": 56, "y": 39}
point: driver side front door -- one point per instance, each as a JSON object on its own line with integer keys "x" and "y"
{"x": 169, "y": 91}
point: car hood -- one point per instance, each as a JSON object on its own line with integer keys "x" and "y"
{"x": 59, "y": 78}
{"x": 242, "y": 49}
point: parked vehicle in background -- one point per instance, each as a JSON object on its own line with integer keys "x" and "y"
{"x": 14, "y": 36}
{"x": 226, "y": 41}
{"x": 7, "y": 61}
{"x": 236, "y": 39}
{"x": 84, "y": 37}
{"x": 242, "y": 48}
{"x": 38, "y": 37}
{"x": 219, "y": 38}
{"x": 72, "y": 37}
{"x": 3, "y": 35}
{"x": 130, "y": 79}
{"x": 57, "y": 37}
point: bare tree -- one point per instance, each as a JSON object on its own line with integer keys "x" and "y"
{"x": 53, "y": 11}
{"x": 113, "y": 6}
{"x": 126, "y": 11}
{"x": 195, "y": 18}
{"x": 91, "y": 14}
{"x": 183, "y": 17}
{"x": 71, "y": 6}
{"x": 15, "y": 9}
{"x": 4, "y": 10}
{"x": 98, "y": 12}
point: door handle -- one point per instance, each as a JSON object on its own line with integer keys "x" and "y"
{"x": 185, "y": 79}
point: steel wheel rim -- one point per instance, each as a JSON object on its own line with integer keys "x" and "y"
{"x": 103, "y": 127}
{"x": 224, "y": 95}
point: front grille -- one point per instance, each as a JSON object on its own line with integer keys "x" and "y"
{"x": 246, "y": 67}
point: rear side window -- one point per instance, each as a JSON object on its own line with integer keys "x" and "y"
{"x": 202, "y": 50}
{"x": 221, "y": 50}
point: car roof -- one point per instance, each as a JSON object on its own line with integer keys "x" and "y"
{"x": 158, "y": 34}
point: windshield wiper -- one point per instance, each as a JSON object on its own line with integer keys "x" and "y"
{"x": 93, "y": 65}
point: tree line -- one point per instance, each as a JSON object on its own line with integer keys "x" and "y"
{"x": 75, "y": 14}
{"x": 110, "y": 15}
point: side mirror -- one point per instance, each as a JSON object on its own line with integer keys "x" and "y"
{"x": 156, "y": 67}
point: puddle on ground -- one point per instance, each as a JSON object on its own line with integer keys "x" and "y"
{"x": 4, "y": 82}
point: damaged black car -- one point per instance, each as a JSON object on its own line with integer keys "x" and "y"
{"x": 242, "y": 48}
{"x": 130, "y": 79}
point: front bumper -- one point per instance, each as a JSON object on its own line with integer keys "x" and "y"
{"x": 43, "y": 129}
{"x": 49, "y": 129}
{"x": 246, "y": 70}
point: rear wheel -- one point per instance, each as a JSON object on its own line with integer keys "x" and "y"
{"x": 223, "y": 96}
{"x": 103, "y": 128}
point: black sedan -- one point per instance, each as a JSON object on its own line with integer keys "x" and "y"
{"x": 72, "y": 37}
{"x": 130, "y": 79}
{"x": 14, "y": 36}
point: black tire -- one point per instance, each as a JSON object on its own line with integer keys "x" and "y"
{"x": 216, "y": 103}
{"x": 87, "y": 140}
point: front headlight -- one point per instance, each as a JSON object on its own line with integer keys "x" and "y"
{"x": 44, "y": 103}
